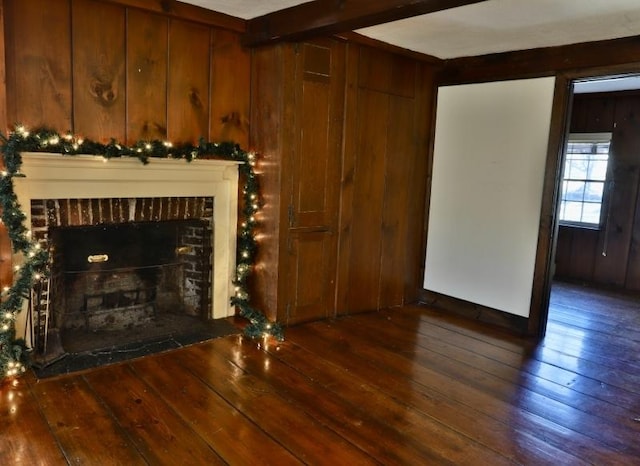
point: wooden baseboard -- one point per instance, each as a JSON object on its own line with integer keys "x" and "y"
{"x": 511, "y": 322}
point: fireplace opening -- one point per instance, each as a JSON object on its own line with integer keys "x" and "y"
{"x": 118, "y": 284}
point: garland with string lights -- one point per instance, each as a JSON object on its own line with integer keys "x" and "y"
{"x": 13, "y": 358}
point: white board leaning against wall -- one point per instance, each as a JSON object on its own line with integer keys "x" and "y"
{"x": 490, "y": 150}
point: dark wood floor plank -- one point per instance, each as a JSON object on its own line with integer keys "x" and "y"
{"x": 612, "y": 376}
{"x": 601, "y": 374}
{"x": 25, "y": 437}
{"x": 575, "y": 318}
{"x": 572, "y": 441}
{"x": 575, "y": 346}
{"x": 407, "y": 412}
{"x": 588, "y": 383}
{"x": 472, "y": 329}
{"x": 612, "y": 306}
{"x": 574, "y": 411}
{"x": 158, "y": 433}
{"x": 474, "y": 364}
{"x": 373, "y": 430}
{"x": 85, "y": 431}
{"x": 595, "y": 341}
{"x": 306, "y": 438}
{"x": 234, "y": 437}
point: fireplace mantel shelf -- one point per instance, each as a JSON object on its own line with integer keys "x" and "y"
{"x": 53, "y": 166}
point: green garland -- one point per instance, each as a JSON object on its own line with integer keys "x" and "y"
{"x": 12, "y": 351}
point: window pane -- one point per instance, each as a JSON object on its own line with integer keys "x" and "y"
{"x": 598, "y": 170}
{"x": 575, "y": 191}
{"x": 563, "y": 196}
{"x": 580, "y": 147}
{"x": 567, "y": 168}
{"x": 572, "y": 211}
{"x": 603, "y": 148}
{"x": 591, "y": 213}
{"x": 578, "y": 169}
{"x": 593, "y": 192}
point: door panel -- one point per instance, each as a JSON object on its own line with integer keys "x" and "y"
{"x": 309, "y": 276}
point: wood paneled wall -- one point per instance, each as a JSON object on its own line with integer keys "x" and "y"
{"x": 142, "y": 69}
{"x": 384, "y": 179}
{"x": 608, "y": 256}
{"x": 125, "y": 70}
{"x": 128, "y": 70}
{"x": 384, "y": 120}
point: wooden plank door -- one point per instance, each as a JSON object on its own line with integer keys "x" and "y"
{"x": 313, "y": 181}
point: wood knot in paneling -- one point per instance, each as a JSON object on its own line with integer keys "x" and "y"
{"x": 104, "y": 92}
{"x": 194, "y": 98}
{"x": 232, "y": 118}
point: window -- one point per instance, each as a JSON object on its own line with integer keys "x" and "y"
{"x": 583, "y": 182}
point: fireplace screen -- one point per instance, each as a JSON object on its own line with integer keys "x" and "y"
{"x": 118, "y": 283}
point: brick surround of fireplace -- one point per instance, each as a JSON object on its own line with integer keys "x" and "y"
{"x": 85, "y": 191}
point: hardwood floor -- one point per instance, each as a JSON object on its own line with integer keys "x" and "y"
{"x": 408, "y": 386}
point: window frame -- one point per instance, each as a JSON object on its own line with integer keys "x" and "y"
{"x": 593, "y": 137}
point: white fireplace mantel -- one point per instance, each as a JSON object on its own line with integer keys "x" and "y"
{"x": 55, "y": 176}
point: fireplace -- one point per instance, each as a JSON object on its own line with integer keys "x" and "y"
{"x": 131, "y": 246}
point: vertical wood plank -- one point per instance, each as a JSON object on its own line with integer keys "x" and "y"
{"x": 230, "y": 88}
{"x": 188, "y": 95}
{"x": 415, "y": 249}
{"x": 147, "y": 51}
{"x": 347, "y": 179}
{"x": 4, "y": 125}
{"x": 632, "y": 190}
{"x": 563, "y": 252}
{"x": 6, "y": 270}
{"x": 364, "y": 267}
{"x": 38, "y": 63}
{"x": 399, "y": 159}
{"x": 6, "y": 273}
{"x": 267, "y": 102}
{"x": 99, "y": 92}
{"x": 375, "y": 69}
{"x": 583, "y": 253}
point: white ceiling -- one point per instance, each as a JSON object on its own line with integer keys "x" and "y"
{"x": 481, "y": 28}
{"x": 245, "y": 9}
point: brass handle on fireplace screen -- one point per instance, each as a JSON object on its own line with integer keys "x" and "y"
{"x": 180, "y": 250}
{"x": 98, "y": 258}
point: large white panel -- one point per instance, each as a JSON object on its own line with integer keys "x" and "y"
{"x": 489, "y": 158}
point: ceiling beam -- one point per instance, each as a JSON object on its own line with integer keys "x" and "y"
{"x": 328, "y": 17}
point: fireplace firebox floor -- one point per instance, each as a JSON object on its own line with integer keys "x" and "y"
{"x": 85, "y": 350}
